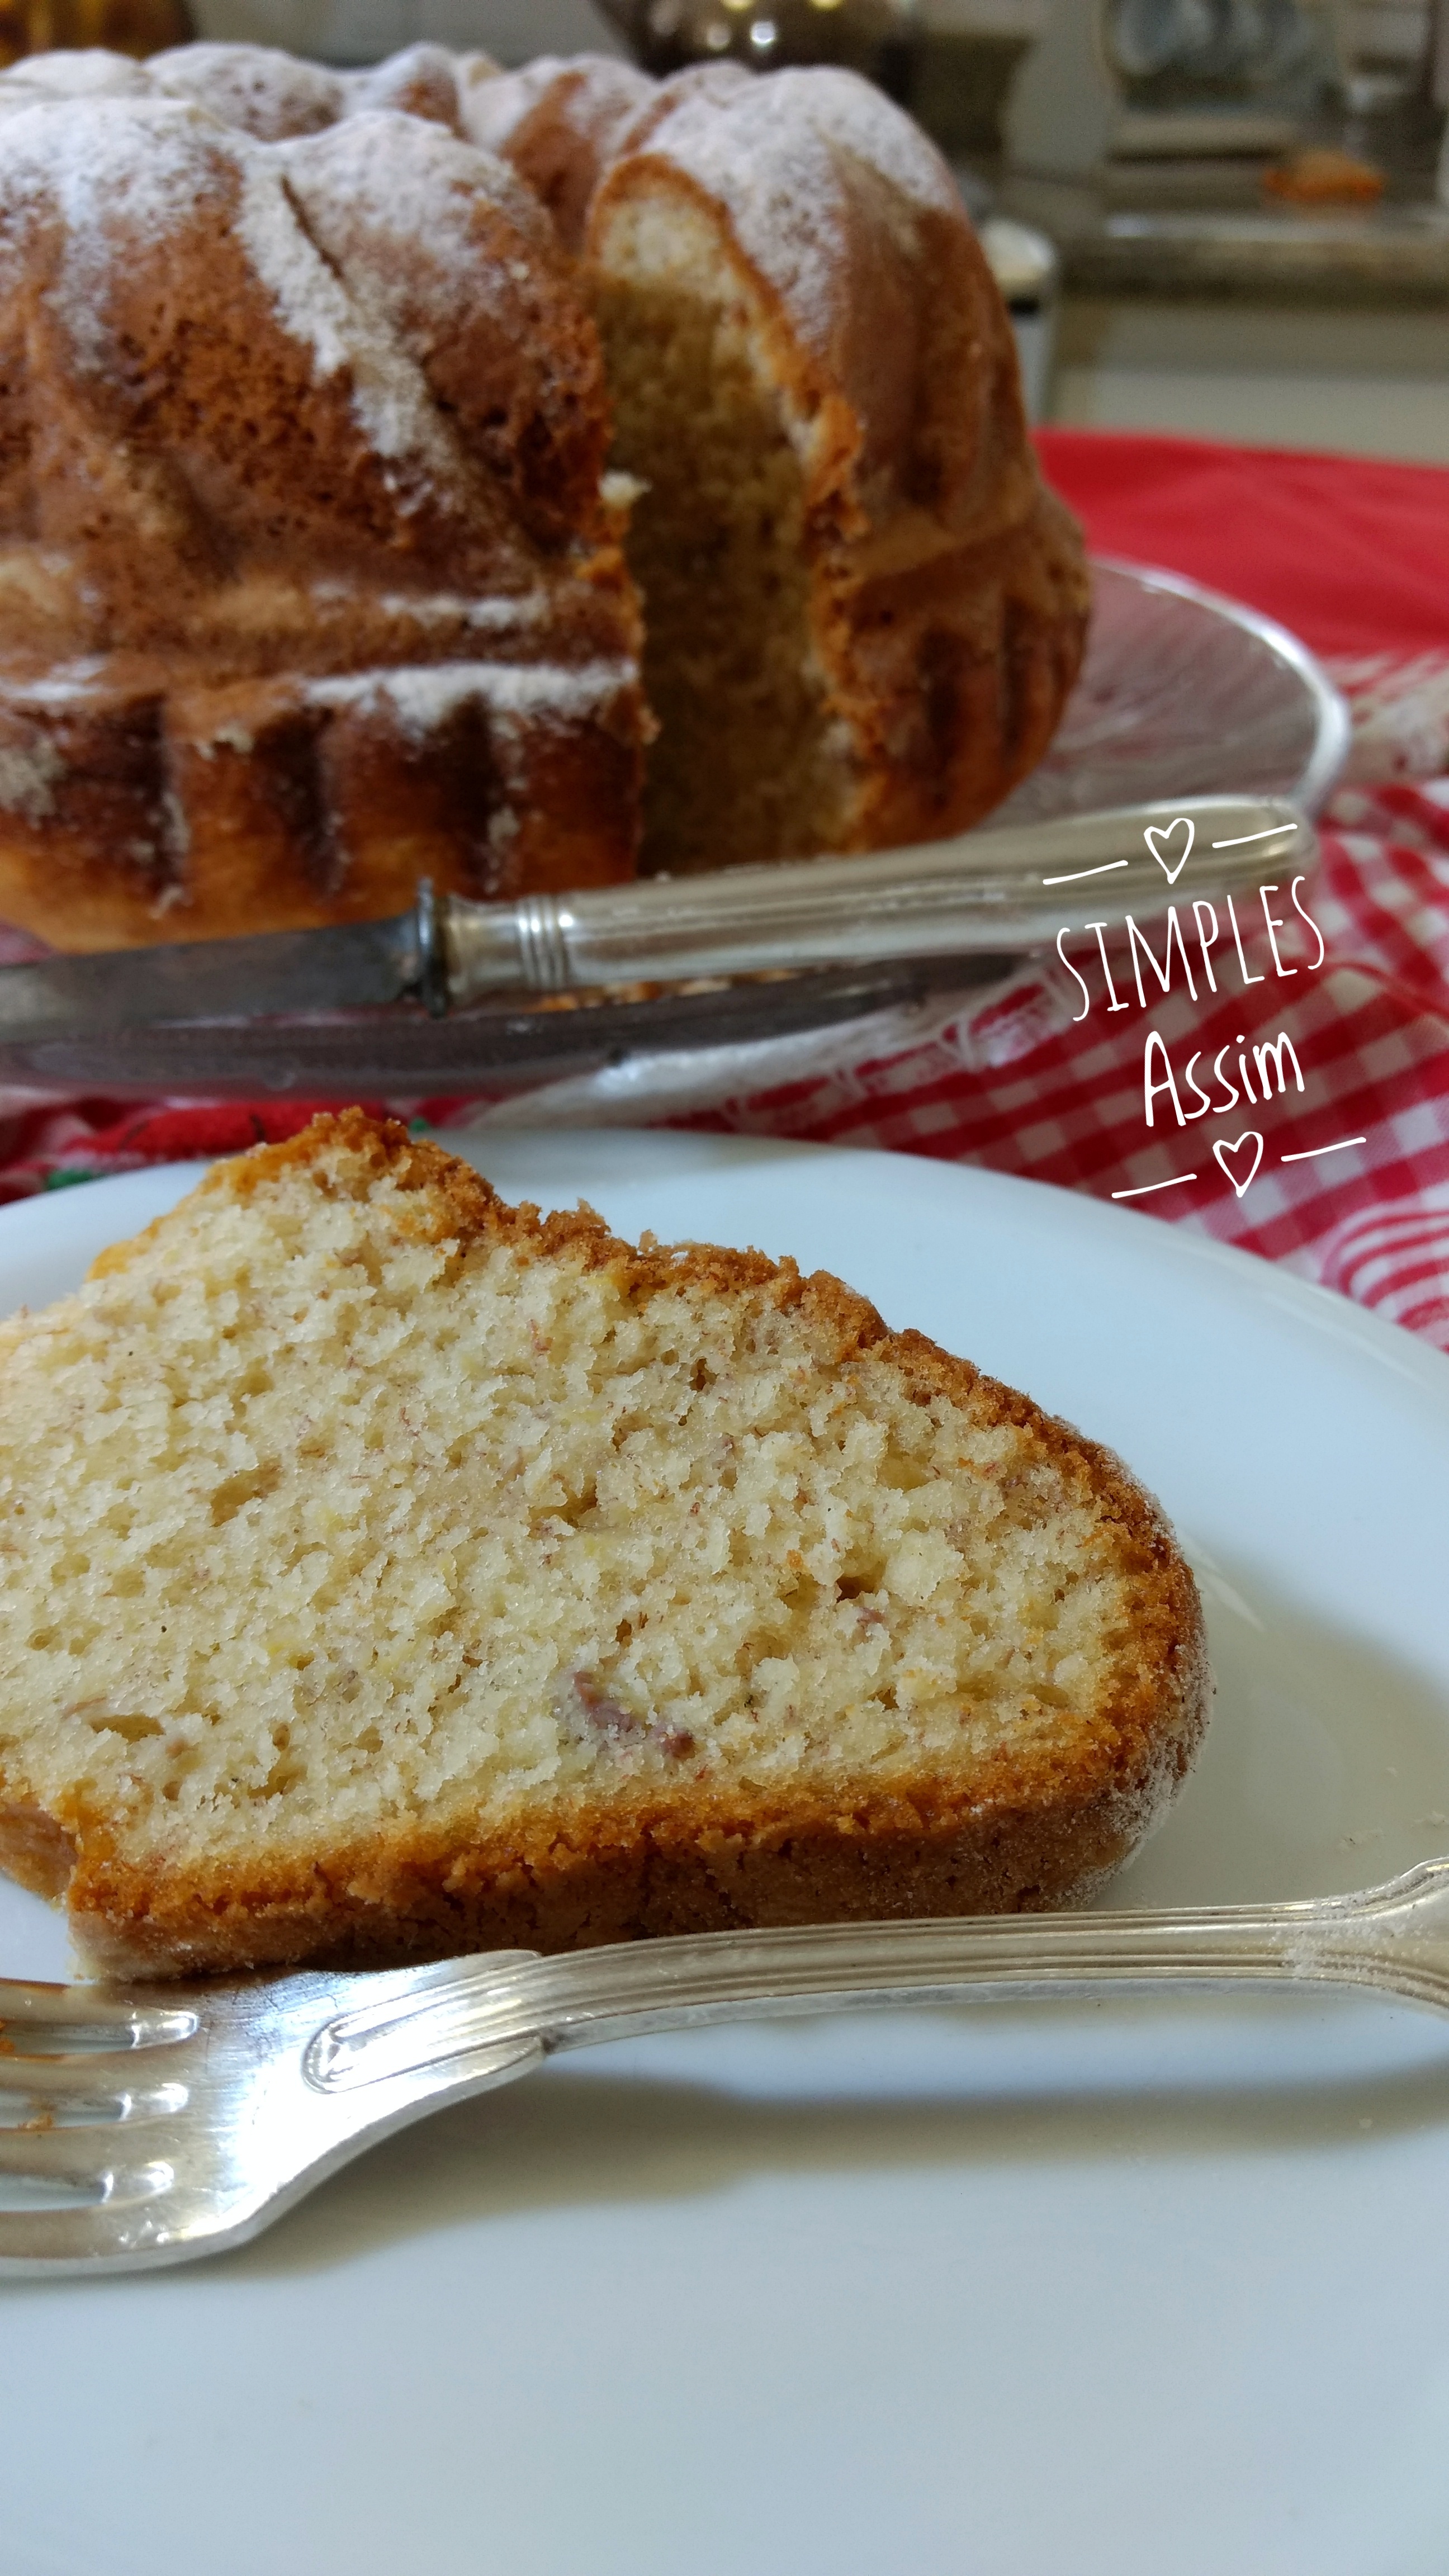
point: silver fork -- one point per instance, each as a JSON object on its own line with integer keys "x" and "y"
{"x": 148, "y": 2124}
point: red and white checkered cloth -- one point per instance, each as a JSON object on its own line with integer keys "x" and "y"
{"x": 1355, "y": 556}
{"x": 1036, "y": 1086}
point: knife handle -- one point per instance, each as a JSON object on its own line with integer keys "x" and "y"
{"x": 982, "y": 891}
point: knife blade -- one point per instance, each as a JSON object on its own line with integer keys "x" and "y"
{"x": 504, "y": 1046}
{"x": 276, "y": 973}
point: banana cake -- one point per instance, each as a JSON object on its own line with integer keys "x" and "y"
{"x": 390, "y": 1572}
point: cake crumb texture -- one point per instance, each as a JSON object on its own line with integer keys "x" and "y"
{"x": 864, "y": 611}
{"x": 388, "y": 1572}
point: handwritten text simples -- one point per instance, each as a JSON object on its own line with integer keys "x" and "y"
{"x": 1202, "y": 928}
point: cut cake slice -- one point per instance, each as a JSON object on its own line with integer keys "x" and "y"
{"x": 389, "y": 1572}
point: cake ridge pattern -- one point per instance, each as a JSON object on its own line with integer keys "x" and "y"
{"x": 349, "y": 468}
{"x": 308, "y": 381}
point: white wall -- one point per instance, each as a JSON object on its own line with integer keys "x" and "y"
{"x": 1363, "y": 383}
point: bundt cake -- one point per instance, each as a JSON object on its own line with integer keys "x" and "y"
{"x": 310, "y": 582}
{"x": 391, "y": 1572}
{"x": 312, "y": 569}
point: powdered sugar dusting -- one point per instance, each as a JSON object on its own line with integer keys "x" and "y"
{"x": 62, "y": 685}
{"x": 27, "y": 777}
{"x": 130, "y": 173}
{"x": 418, "y": 696}
{"x": 785, "y": 156}
{"x": 383, "y": 180}
{"x": 505, "y": 613}
{"x": 309, "y": 299}
{"x": 373, "y": 239}
{"x": 423, "y": 697}
{"x": 863, "y": 121}
{"x": 89, "y": 72}
{"x": 421, "y": 81}
{"x": 601, "y": 97}
{"x": 389, "y": 394}
{"x": 129, "y": 168}
{"x": 256, "y": 88}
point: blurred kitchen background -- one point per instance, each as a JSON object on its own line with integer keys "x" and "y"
{"x": 1226, "y": 218}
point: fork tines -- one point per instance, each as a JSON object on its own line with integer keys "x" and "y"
{"x": 80, "y": 2099}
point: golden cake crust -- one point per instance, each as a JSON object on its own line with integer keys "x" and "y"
{"x": 1017, "y": 1829}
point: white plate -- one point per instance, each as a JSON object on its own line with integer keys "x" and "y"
{"x": 1150, "y": 2290}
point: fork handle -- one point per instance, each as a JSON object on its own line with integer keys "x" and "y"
{"x": 1394, "y": 1938}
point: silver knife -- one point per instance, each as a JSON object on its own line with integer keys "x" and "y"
{"x": 983, "y": 893}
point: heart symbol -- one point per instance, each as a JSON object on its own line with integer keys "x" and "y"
{"x": 1223, "y": 1157}
{"x": 1158, "y": 835}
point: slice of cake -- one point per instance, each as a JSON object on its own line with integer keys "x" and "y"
{"x": 863, "y": 609}
{"x": 390, "y": 1572}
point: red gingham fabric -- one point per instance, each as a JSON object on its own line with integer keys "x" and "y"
{"x": 1035, "y": 1086}
{"x": 1355, "y": 557}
